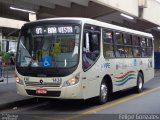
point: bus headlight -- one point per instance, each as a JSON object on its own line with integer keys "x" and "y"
{"x": 72, "y": 81}
{"x": 18, "y": 80}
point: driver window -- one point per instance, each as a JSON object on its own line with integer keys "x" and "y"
{"x": 91, "y": 46}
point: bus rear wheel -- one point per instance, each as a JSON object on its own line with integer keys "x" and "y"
{"x": 139, "y": 87}
{"x": 104, "y": 93}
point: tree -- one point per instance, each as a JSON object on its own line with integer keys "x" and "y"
{"x": 6, "y": 58}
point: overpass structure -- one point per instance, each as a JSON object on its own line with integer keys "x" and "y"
{"x": 144, "y": 13}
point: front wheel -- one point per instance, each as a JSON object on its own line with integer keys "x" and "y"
{"x": 139, "y": 87}
{"x": 104, "y": 93}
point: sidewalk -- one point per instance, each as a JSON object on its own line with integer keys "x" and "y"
{"x": 8, "y": 93}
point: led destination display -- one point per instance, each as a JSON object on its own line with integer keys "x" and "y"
{"x": 54, "y": 30}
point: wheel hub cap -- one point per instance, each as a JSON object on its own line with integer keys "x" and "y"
{"x": 104, "y": 91}
{"x": 140, "y": 83}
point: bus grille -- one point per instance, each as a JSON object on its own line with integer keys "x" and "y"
{"x": 44, "y": 84}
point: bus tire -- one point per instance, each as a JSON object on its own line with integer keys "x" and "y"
{"x": 139, "y": 87}
{"x": 104, "y": 93}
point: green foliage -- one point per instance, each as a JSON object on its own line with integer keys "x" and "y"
{"x": 6, "y": 57}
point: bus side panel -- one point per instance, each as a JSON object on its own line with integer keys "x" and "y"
{"x": 115, "y": 68}
{"x": 91, "y": 79}
{"x": 148, "y": 69}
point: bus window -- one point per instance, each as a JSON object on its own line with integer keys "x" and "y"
{"x": 127, "y": 39}
{"x": 135, "y": 40}
{"x": 91, "y": 48}
{"x": 143, "y": 42}
{"x": 128, "y": 51}
{"x": 127, "y": 45}
{"x": 149, "y": 52}
{"x": 107, "y": 36}
{"x": 149, "y": 47}
{"x": 143, "y": 46}
{"x": 108, "y": 49}
{"x": 149, "y": 43}
{"x": 120, "y": 52}
{"x": 137, "y": 52}
{"x": 119, "y": 38}
{"x": 144, "y": 52}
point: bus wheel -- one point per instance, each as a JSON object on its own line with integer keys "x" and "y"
{"x": 139, "y": 86}
{"x": 103, "y": 97}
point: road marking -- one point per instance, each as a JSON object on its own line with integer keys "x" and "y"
{"x": 108, "y": 105}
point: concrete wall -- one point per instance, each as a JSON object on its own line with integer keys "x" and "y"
{"x": 131, "y": 7}
{"x": 10, "y": 23}
{"x": 151, "y": 13}
{"x": 126, "y": 6}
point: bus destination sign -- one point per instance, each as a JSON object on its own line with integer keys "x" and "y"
{"x": 54, "y": 30}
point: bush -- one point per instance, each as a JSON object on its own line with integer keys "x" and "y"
{"x": 6, "y": 57}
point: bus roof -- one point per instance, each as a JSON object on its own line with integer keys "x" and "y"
{"x": 98, "y": 23}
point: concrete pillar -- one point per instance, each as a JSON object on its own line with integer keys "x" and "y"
{"x": 32, "y": 17}
{"x": 11, "y": 23}
{"x": 1, "y": 39}
{"x": 4, "y": 44}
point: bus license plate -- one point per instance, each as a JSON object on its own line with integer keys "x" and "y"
{"x": 41, "y": 91}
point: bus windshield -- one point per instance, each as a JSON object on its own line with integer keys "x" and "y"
{"x": 49, "y": 47}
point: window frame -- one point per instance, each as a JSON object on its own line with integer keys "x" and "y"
{"x": 100, "y": 37}
{"x": 109, "y": 44}
{"x": 128, "y": 45}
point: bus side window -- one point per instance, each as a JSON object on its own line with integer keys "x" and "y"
{"x": 135, "y": 40}
{"x": 91, "y": 48}
{"x": 119, "y": 48}
{"x": 144, "y": 47}
{"x": 120, "y": 52}
{"x": 119, "y": 38}
{"x": 108, "y": 47}
{"x": 137, "y": 51}
{"x": 149, "y": 42}
{"x": 128, "y": 51}
{"x": 136, "y": 46}
{"x": 149, "y": 47}
{"x": 128, "y": 45}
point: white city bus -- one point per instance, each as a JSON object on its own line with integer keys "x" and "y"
{"x": 81, "y": 58}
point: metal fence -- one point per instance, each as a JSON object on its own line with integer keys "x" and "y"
{"x": 6, "y": 72}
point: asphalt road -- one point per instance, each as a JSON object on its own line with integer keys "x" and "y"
{"x": 125, "y": 105}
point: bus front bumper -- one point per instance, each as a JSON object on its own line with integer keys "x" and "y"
{"x": 69, "y": 92}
